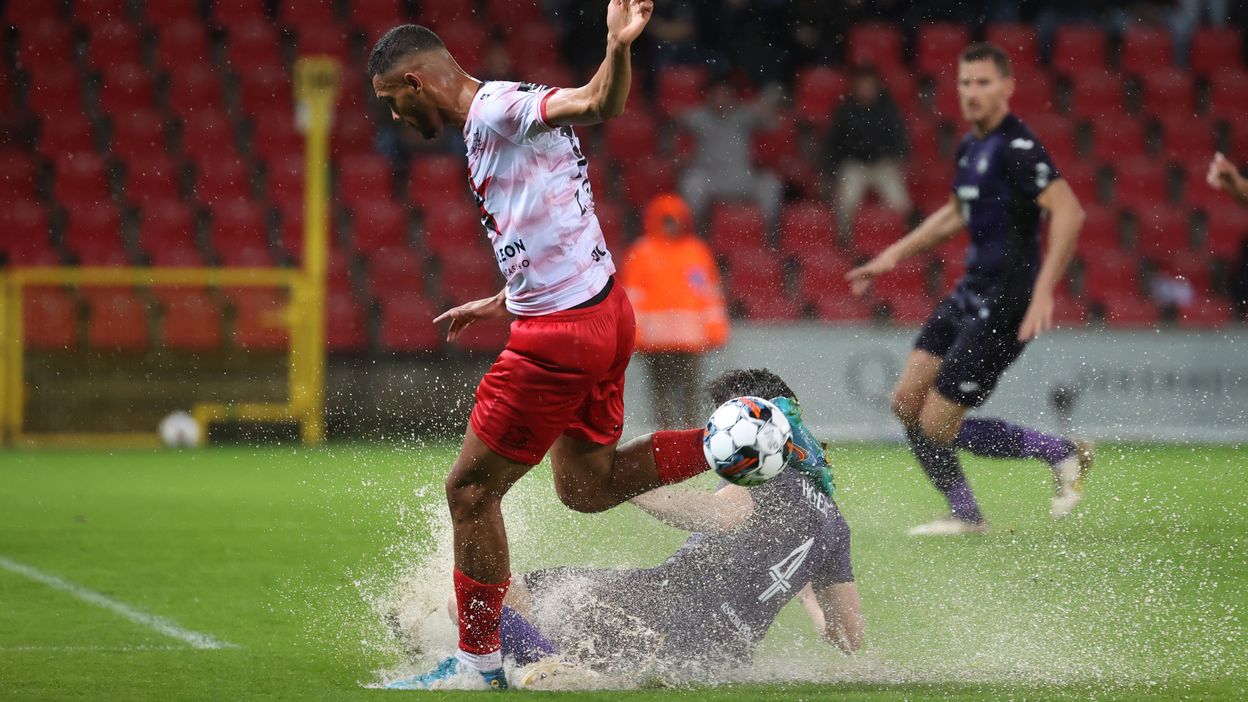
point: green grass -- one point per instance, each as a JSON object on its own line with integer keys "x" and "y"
{"x": 285, "y": 552}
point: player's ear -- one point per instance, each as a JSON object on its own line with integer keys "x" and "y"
{"x": 414, "y": 81}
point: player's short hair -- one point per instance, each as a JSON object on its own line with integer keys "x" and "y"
{"x": 758, "y": 382}
{"x": 401, "y": 41}
{"x": 987, "y": 51}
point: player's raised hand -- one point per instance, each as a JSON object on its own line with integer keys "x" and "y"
{"x": 1039, "y": 317}
{"x": 861, "y": 277}
{"x": 626, "y": 19}
{"x": 1222, "y": 174}
{"x": 470, "y": 313}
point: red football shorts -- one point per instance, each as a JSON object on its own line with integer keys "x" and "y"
{"x": 560, "y": 373}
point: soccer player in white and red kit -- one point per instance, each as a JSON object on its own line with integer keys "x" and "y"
{"x": 558, "y": 385}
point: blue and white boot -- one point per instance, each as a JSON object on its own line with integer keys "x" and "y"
{"x": 453, "y": 674}
{"x": 807, "y": 454}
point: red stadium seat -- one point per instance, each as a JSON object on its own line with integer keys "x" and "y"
{"x": 924, "y": 133}
{"x": 1185, "y": 136}
{"x": 946, "y": 105}
{"x": 25, "y": 14}
{"x": 443, "y": 13}
{"x": 1168, "y": 90}
{"x": 1101, "y": 230}
{"x": 207, "y": 135}
{"x": 274, "y": 140}
{"x": 258, "y": 321}
{"x": 1205, "y": 313}
{"x": 395, "y": 272}
{"x": 532, "y": 44}
{"x": 1069, "y": 313}
{"x": 507, "y": 14}
{"x": 1018, "y": 39}
{"x": 770, "y": 305}
{"x": 252, "y": 43}
{"x": 95, "y": 11}
{"x": 301, "y": 14}
{"x": 1140, "y": 182}
{"x": 819, "y": 90}
{"x": 634, "y": 137}
{"x": 45, "y": 41}
{"x": 265, "y": 92}
{"x": 54, "y": 90}
{"x": 929, "y": 186}
{"x": 908, "y": 309}
{"x": 126, "y": 87}
{"x": 643, "y": 180}
{"x": 346, "y": 328}
{"x": 162, "y": 13}
{"x": 222, "y": 179}
{"x": 452, "y": 228}
{"x": 1078, "y": 49}
{"x": 240, "y": 233}
{"x": 1130, "y": 312}
{"x": 379, "y": 225}
{"x": 466, "y": 40}
{"x": 25, "y": 237}
{"x": 1227, "y": 228}
{"x": 1083, "y": 177}
{"x": 877, "y": 44}
{"x": 138, "y": 135}
{"x": 152, "y": 177}
{"x": 182, "y": 42}
{"x": 194, "y": 87}
{"x": 81, "y": 178}
{"x": 365, "y": 178}
{"x": 114, "y": 42}
{"x": 166, "y": 226}
{"x": 938, "y": 47}
{"x": 17, "y": 176}
{"x": 177, "y": 256}
{"x": 354, "y": 133}
{"x": 823, "y": 275}
{"x": 1194, "y": 267}
{"x": 469, "y": 275}
{"x": 808, "y": 230}
{"x": 1215, "y": 48}
{"x": 909, "y": 279}
{"x": 316, "y": 38}
{"x": 1110, "y": 274}
{"x": 1057, "y": 133}
{"x": 776, "y": 146}
{"x": 1146, "y": 49}
{"x": 1097, "y": 96}
{"x": 407, "y": 325}
{"x": 1229, "y": 94}
{"x": 752, "y": 270}
{"x": 117, "y": 321}
{"x": 1116, "y": 139}
{"x": 841, "y": 306}
{"x": 192, "y": 321}
{"x": 1161, "y": 231}
{"x": 231, "y": 13}
{"x": 1034, "y": 96}
{"x": 436, "y": 179}
{"x": 736, "y": 225}
{"x": 375, "y": 17}
{"x": 49, "y": 319}
{"x": 284, "y": 181}
{"x": 680, "y": 88}
{"x": 67, "y": 133}
{"x": 875, "y": 227}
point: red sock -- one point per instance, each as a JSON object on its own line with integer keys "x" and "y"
{"x": 678, "y": 454}
{"x": 480, "y": 609}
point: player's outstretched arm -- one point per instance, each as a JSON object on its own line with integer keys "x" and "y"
{"x": 604, "y": 95}
{"x": 939, "y": 226}
{"x": 470, "y": 313}
{"x": 836, "y": 612}
{"x": 1224, "y": 176}
{"x": 697, "y": 510}
{"x": 1065, "y": 220}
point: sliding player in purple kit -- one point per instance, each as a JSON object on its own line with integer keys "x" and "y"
{"x": 1005, "y": 180}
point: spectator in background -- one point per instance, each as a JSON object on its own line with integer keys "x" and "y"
{"x": 672, "y": 281}
{"x": 722, "y": 164}
{"x": 866, "y": 147}
{"x": 1224, "y": 176}
{"x": 674, "y": 33}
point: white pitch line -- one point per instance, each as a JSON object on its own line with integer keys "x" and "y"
{"x": 151, "y": 621}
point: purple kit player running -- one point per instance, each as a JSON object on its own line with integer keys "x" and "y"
{"x": 1005, "y": 180}
{"x": 711, "y": 602}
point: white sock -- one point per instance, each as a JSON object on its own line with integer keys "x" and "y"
{"x": 483, "y": 661}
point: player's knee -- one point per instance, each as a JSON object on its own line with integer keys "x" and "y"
{"x": 939, "y": 429}
{"x": 468, "y": 501}
{"x": 906, "y": 407}
{"x": 581, "y": 499}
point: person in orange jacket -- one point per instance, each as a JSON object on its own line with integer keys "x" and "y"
{"x": 672, "y": 281}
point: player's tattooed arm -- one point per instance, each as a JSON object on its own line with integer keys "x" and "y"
{"x": 1224, "y": 176}
{"x": 1065, "y": 220}
{"x": 697, "y": 510}
{"x": 470, "y": 313}
{"x": 939, "y": 226}
{"x": 603, "y": 97}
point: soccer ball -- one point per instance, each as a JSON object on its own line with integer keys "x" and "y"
{"x": 747, "y": 441}
{"x": 180, "y": 430}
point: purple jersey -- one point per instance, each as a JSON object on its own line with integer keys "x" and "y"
{"x": 998, "y": 180}
{"x": 712, "y": 601}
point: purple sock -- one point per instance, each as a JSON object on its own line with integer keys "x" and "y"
{"x": 995, "y": 438}
{"x": 521, "y": 640}
{"x": 943, "y": 469}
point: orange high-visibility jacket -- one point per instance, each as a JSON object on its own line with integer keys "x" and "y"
{"x": 674, "y": 285}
